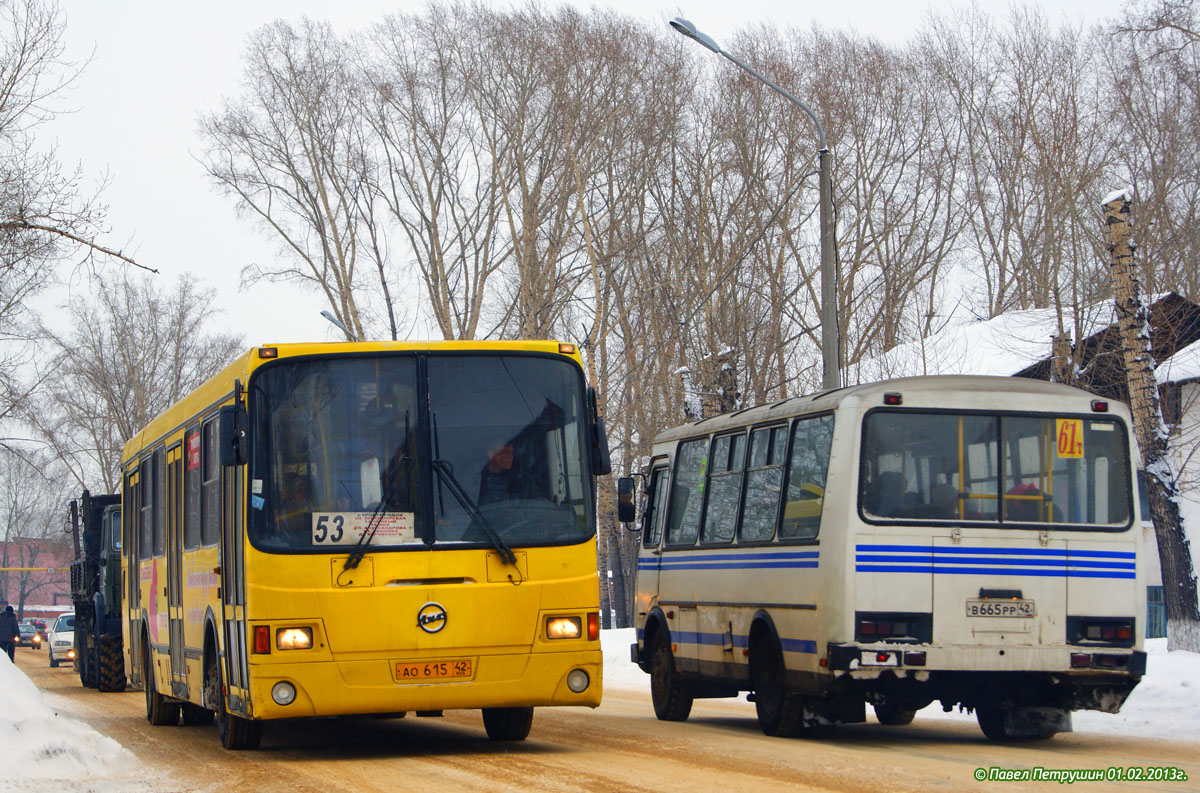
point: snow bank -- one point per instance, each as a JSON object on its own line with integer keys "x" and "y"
{"x": 43, "y": 748}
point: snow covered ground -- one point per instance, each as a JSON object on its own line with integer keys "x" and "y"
{"x": 42, "y": 747}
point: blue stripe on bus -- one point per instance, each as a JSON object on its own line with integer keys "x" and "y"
{"x": 997, "y": 551}
{"x": 718, "y": 639}
{"x": 991, "y": 570}
{"x": 985, "y": 562}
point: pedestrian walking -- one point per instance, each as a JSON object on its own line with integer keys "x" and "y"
{"x": 9, "y": 631}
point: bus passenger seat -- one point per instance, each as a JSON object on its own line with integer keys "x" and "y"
{"x": 945, "y": 498}
{"x": 891, "y": 490}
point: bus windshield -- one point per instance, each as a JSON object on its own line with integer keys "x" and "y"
{"x": 437, "y": 450}
{"x": 995, "y": 469}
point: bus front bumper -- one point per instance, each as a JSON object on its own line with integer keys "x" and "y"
{"x": 353, "y": 687}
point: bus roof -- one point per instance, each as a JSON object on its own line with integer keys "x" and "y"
{"x": 918, "y": 390}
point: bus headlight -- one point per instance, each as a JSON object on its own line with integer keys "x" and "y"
{"x": 283, "y": 692}
{"x": 564, "y": 628}
{"x": 578, "y": 680}
{"x": 294, "y": 638}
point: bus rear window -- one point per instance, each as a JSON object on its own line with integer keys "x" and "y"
{"x": 999, "y": 469}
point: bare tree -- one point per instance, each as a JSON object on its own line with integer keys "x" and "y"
{"x": 45, "y": 214}
{"x": 292, "y": 151}
{"x": 1034, "y": 126}
{"x": 130, "y": 352}
{"x": 32, "y": 526}
{"x": 1154, "y": 83}
{"x": 436, "y": 175}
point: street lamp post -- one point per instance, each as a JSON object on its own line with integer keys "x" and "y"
{"x": 829, "y": 324}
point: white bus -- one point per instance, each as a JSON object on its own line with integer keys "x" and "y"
{"x": 972, "y": 540}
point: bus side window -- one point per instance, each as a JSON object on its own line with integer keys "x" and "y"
{"x": 656, "y": 507}
{"x": 191, "y": 489}
{"x": 210, "y": 488}
{"x": 807, "y": 470}
{"x": 687, "y": 492}
{"x": 160, "y": 503}
{"x": 764, "y": 480}
{"x": 724, "y": 488}
{"x": 145, "y": 488}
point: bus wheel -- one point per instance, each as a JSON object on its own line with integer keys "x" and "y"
{"x": 507, "y": 724}
{"x": 111, "y": 674}
{"x": 233, "y": 731}
{"x": 671, "y": 696}
{"x": 1009, "y": 723}
{"x": 158, "y": 710}
{"x": 780, "y": 712}
{"x": 893, "y": 716}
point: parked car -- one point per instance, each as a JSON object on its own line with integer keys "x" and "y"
{"x": 30, "y": 636}
{"x": 61, "y": 642}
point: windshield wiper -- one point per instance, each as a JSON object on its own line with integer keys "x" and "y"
{"x": 360, "y": 548}
{"x": 456, "y": 489}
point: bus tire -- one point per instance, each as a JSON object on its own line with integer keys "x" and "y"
{"x": 111, "y": 674}
{"x": 780, "y": 712}
{"x": 671, "y": 696}
{"x": 999, "y": 723}
{"x": 234, "y": 732}
{"x": 159, "y": 711}
{"x": 507, "y": 724}
{"x": 893, "y": 716}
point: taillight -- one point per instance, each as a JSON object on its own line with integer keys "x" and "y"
{"x": 895, "y": 626}
{"x": 593, "y": 625}
{"x": 1116, "y": 631}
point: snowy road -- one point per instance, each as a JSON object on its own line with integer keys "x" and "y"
{"x": 619, "y": 747}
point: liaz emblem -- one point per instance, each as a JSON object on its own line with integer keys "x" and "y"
{"x": 431, "y": 617}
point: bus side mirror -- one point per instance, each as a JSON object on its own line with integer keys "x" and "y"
{"x": 600, "y": 459}
{"x": 231, "y": 435}
{"x": 625, "y": 509}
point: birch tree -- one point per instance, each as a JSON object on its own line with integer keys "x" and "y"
{"x": 292, "y": 151}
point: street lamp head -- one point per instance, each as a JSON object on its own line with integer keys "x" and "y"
{"x": 688, "y": 29}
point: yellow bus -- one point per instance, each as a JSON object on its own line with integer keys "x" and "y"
{"x": 367, "y": 528}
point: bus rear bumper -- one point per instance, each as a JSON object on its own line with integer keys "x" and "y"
{"x": 866, "y": 661}
{"x": 1064, "y": 677}
{"x": 359, "y": 687}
